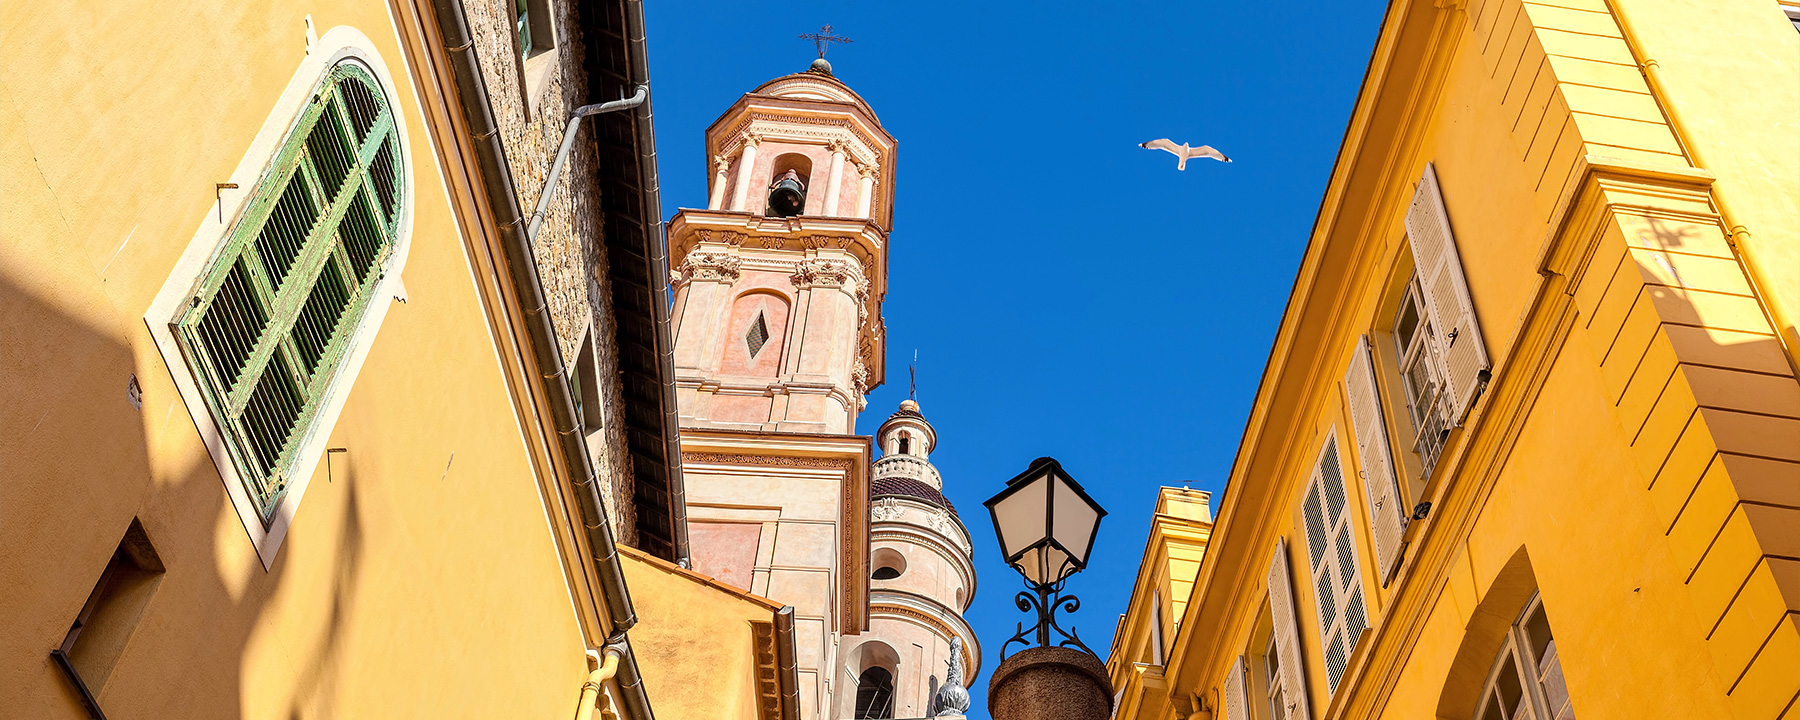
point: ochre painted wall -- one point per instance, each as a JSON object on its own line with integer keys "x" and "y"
{"x": 695, "y": 645}
{"x": 411, "y": 584}
{"x": 1636, "y": 458}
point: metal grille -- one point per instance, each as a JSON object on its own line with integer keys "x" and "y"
{"x": 276, "y": 307}
{"x": 758, "y": 336}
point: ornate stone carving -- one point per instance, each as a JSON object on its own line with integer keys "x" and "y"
{"x": 859, "y": 380}
{"x": 771, "y": 242}
{"x": 886, "y": 509}
{"x": 952, "y": 698}
{"x": 726, "y": 237}
{"x": 862, "y": 303}
{"x": 939, "y": 521}
{"x": 709, "y": 266}
{"x": 720, "y": 164}
{"x": 820, "y": 272}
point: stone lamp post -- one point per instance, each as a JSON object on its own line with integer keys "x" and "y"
{"x": 1046, "y": 526}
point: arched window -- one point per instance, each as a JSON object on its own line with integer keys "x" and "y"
{"x": 875, "y": 693}
{"x": 276, "y": 307}
{"x": 905, "y": 444}
{"x": 1526, "y": 681}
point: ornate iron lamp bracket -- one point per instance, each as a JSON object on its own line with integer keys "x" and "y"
{"x": 1046, "y": 599}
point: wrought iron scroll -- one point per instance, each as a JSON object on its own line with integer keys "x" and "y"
{"x": 1045, "y": 600}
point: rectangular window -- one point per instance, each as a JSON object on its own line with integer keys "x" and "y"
{"x": 1426, "y": 403}
{"x": 98, "y": 635}
{"x": 531, "y": 20}
{"x": 1337, "y": 579}
{"x": 1277, "y": 692}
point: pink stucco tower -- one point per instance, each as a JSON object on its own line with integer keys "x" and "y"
{"x": 778, "y": 337}
{"x": 923, "y": 579}
{"x": 779, "y": 280}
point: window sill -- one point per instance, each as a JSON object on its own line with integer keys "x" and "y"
{"x": 536, "y": 73}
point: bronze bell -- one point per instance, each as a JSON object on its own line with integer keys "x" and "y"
{"x": 787, "y": 196}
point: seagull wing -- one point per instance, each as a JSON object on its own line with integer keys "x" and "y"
{"x": 1207, "y": 151}
{"x": 1163, "y": 144}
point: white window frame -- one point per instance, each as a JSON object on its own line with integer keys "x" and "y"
{"x": 1534, "y": 704}
{"x": 1427, "y": 408}
{"x": 1276, "y": 688}
{"x": 334, "y": 46}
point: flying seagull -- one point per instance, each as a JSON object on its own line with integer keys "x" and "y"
{"x": 1183, "y": 153}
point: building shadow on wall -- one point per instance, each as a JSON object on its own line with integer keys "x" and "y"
{"x": 95, "y": 445}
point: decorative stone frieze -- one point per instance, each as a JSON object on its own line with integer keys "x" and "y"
{"x": 709, "y": 267}
{"x": 820, "y": 272}
{"x": 723, "y": 237}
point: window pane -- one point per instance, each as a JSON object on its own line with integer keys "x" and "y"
{"x": 1408, "y": 322}
{"x": 1509, "y": 687}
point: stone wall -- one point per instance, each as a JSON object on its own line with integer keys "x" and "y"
{"x": 570, "y": 253}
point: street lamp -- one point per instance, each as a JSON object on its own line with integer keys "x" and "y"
{"x": 1046, "y": 525}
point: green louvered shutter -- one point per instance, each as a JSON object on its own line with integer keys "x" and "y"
{"x": 278, "y": 303}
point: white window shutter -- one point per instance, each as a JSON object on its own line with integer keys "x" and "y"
{"x": 1287, "y": 634}
{"x": 1387, "y": 517}
{"x": 1237, "y": 706}
{"x": 1462, "y": 354}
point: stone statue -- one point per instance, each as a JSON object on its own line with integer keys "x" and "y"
{"x": 952, "y": 698}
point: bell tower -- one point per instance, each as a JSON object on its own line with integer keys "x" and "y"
{"x": 778, "y": 286}
{"x": 779, "y": 281}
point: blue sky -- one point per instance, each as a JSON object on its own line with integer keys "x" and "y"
{"x": 1068, "y": 293}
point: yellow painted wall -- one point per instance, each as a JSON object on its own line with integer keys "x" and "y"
{"x": 1636, "y": 459}
{"x": 695, "y": 643}
{"x": 1172, "y": 556}
{"x": 409, "y": 585}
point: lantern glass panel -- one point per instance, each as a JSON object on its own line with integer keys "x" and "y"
{"x": 1073, "y": 521}
{"x": 1020, "y": 515}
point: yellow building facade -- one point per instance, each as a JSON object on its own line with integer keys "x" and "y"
{"x": 1179, "y": 529}
{"x": 304, "y": 416}
{"x": 1528, "y": 440}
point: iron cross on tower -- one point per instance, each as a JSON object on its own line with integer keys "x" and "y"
{"x": 823, "y": 39}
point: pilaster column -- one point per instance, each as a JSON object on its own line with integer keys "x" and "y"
{"x": 746, "y": 161}
{"x": 703, "y": 292}
{"x": 827, "y": 347}
{"x": 866, "y": 196}
{"x": 717, "y": 199}
{"x": 836, "y": 182}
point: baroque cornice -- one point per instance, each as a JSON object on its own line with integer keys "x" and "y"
{"x": 703, "y": 458}
{"x": 765, "y": 125}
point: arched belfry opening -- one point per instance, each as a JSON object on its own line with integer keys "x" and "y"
{"x": 875, "y": 693}
{"x": 790, "y": 174}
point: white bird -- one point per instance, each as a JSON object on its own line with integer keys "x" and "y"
{"x": 1183, "y": 152}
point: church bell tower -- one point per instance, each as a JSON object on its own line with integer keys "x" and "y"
{"x": 779, "y": 281}
{"x": 778, "y": 336}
